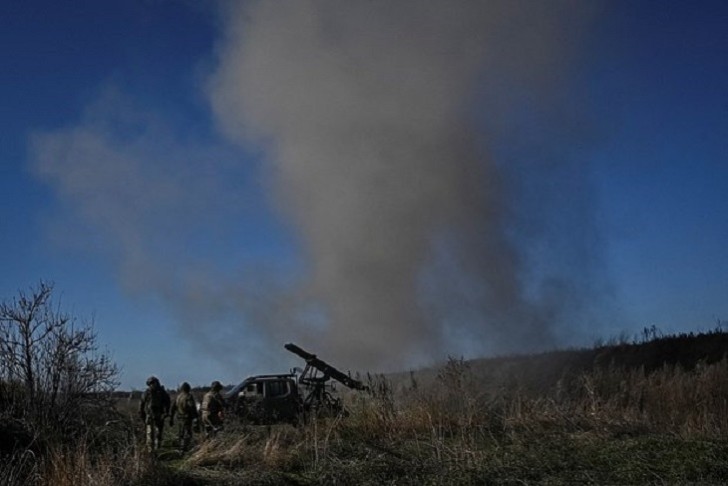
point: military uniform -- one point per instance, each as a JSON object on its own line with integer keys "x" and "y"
{"x": 185, "y": 408}
{"x": 212, "y": 409}
{"x": 152, "y": 410}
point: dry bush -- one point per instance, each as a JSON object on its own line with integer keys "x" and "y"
{"x": 58, "y": 421}
{"x": 690, "y": 403}
{"x": 373, "y": 413}
{"x": 52, "y": 377}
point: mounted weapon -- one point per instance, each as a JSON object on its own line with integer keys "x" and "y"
{"x": 314, "y": 378}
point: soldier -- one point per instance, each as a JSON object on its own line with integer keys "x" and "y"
{"x": 152, "y": 410}
{"x": 212, "y": 409}
{"x": 186, "y": 408}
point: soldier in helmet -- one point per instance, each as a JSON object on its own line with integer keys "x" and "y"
{"x": 152, "y": 410}
{"x": 185, "y": 408}
{"x": 212, "y": 409}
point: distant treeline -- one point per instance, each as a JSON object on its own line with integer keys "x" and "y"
{"x": 650, "y": 351}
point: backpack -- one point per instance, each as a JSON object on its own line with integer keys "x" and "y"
{"x": 156, "y": 402}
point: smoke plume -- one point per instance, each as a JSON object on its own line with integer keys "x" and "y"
{"x": 423, "y": 153}
{"x": 387, "y": 128}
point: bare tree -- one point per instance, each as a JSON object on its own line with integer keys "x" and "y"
{"x": 51, "y": 371}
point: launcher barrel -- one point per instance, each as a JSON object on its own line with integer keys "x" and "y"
{"x": 296, "y": 350}
{"x": 325, "y": 368}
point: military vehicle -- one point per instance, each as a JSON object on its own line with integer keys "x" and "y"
{"x": 293, "y": 397}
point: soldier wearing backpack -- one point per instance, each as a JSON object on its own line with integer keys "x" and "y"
{"x": 153, "y": 408}
{"x": 212, "y": 409}
{"x": 185, "y": 408}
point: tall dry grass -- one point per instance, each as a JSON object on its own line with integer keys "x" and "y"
{"x": 457, "y": 430}
{"x": 672, "y": 400}
{"x": 606, "y": 423}
{"x": 111, "y": 454}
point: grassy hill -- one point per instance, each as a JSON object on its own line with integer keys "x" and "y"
{"x": 648, "y": 412}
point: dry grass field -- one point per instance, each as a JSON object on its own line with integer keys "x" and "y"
{"x": 653, "y": 412}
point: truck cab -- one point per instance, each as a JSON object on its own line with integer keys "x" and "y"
{"x": 266, "y": 399}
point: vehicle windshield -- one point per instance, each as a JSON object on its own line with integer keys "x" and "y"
{"x": 234, "y": 391}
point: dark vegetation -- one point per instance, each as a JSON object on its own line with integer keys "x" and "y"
{"x": 55, "y": 390}
{"x": 649, "y": 410}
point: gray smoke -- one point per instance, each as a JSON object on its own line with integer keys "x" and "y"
{"x": 421, "y": 151}
{"x": 386, "y": 126}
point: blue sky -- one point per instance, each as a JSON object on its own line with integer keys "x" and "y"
{"x": 149, "y": 167}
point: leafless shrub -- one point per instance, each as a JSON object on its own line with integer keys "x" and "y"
{"x": 55, "y": 385}
{"x": 52, "y": 375}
